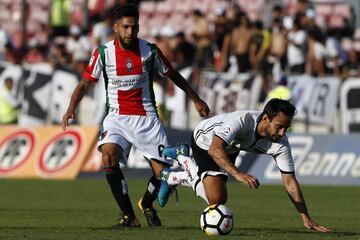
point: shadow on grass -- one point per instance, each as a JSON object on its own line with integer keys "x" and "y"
{"x": 241, "y": 232}
{"x": 163, "y": 228}
{"x": 257, "y": 231}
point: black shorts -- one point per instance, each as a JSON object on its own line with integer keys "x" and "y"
{"x": 243, "y": 61}
{"x": 204, "y": 160}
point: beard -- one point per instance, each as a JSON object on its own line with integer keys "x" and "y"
{"x": 126, "y": 44}
{"x": 272, "y": 137}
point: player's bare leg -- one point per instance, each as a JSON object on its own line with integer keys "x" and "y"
{"x": 111, "y": 154}
{"x": 215, "y": 189}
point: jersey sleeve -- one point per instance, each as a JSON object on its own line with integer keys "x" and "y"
{"x": 229, "y": 130}
{"x": 162, "y": 64}
{"x": 283, "y": 158}
{"x": 94, "y": 68}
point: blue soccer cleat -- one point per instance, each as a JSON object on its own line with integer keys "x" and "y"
{"x": 173, "y": 152}
{"x": 165, "y": 188}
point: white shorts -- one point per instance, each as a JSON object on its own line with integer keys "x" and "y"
{"x": 214, "y": 173}
{"x": 146, "y": 133}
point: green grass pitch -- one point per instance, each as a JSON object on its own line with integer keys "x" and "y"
{"x": 84, "y": 209}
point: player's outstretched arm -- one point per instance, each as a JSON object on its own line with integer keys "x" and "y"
{"x": 293, "y": 189}
{"x": 76, "y": 97}
{"x": 200, "y": 105}
{"x": 218, "y": 153}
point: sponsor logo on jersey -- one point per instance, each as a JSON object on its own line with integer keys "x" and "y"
{"x": 226, "y": 129}
{"x": 134, "y": 81}
{"x": 129, "y": 65}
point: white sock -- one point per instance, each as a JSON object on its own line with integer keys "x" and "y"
{"x": 199, "y": 189}
{"x": 191, "y": 169}
{"x": 178, "y": 178}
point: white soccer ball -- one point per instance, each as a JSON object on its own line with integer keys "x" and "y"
{"x": 216, "y": 219}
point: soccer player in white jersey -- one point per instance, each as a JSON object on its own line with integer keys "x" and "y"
{"x": 127, "y": 64}
{"x": 216, "y": 142}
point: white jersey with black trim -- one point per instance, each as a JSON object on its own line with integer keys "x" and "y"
{"x": 238, "y": 130}
{"x": 128, "y": 75}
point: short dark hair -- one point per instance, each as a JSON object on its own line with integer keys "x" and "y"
{"x": 197, "y": 13}
{"x": 127, "y": 10}
{"x": 277, "y": 8}
{"x": 276, "y": 105}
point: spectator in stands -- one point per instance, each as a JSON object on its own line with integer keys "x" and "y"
{"x": 202, "y": 38}
{"x": 301, "y": 7}
{"x": 296, "y": 48}
{"x": 3, "y": 42}
{"x": 232, "y": 15}
{"x": 259, "y": 46}
{"x": 317, "y": 53}
{"x": 237, "y": 43}
{"x": 259, "y": 51}
{"x": 102, "y": 31}
{"x": 41, "y": 36}
{"x": 352, "y": 65}
{"x": 34, "y": 55}
{"x": 184, "y": 52}
{"x": 10, "y": 53}
{"x": 277, "y": 55}
{"x": 336, "y": 55}
{"x": 277, "y": 12}
{"x": 79, "y": 48}
{"x": 315, "y": 44}
{"x": 161, "y": 37}
{"x": 60, "y": 17}
{"x": 58, "y": 56}
{"x": 9, "y": 105}
{"x": 220, "y": 28}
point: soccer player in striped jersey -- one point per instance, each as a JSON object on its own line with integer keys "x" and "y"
{"x": 127, "y": 65}
{"x": 216, "y": 143}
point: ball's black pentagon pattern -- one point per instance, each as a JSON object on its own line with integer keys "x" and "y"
{"x": 206, "y": 225}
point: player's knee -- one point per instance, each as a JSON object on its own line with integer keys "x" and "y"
{"x": 110, "y": 159}
{"x": 157, "y": 166}
{"x": 217, "y": 199}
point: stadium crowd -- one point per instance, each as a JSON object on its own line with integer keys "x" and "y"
{"x": 226, "y": 40}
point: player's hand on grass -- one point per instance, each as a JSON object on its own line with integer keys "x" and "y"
{"x": 311, "y": 225}
{"x": 70, "y": 114}
{"x": 250, "y": 180}
{"x": 202, "y": 108}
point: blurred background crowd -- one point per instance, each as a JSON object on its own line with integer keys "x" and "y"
{"x": 270, "y": 37}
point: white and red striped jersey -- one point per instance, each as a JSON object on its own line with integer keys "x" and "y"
{"x": 128, "y": 76}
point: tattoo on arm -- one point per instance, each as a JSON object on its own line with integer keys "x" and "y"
{"x": 297, "y": 198}
{"x": 300, "y": 206}
{"x": 222, "y": 159}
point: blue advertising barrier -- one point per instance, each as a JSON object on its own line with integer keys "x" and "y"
{"x": 319, "y": 159}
